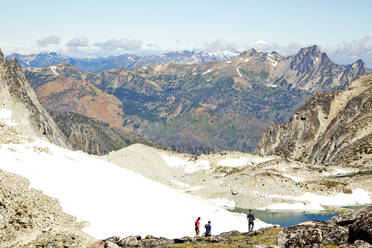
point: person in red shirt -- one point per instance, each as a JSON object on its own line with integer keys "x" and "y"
{"x": 197, "y": 227}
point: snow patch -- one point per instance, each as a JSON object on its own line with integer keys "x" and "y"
{"x": 53, "y": 68}
{"x": 208, "y": 71}
{"x": 233, "y": 162}
{"x": 193, "y": 167}
{"x": 311, "y": 201}
{"x": 190, "y": 166}
{"x": 294, "y": 178}
{"x": 173, "y": 161}
{"x": 238, "y": 162}
{"x": 238, "y": 71}
{"x": 272, "y": 85}
{"x": 195, "y": 188}
{"x": 6, "y": 117}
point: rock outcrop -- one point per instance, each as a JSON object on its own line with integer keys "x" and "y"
{"x": 23, "y": 109}
{"x": 345, "y": 230}
{"x": 328, "y": 128}
{"x": 311, "y": 233}
{"x": 361, "y": 228}
{"x": 28, "y": 218}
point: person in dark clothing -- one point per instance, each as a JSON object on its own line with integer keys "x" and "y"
{"x": 251, "y": 219}
{"x": 208, "y": 229}
{"x": 197, "y": 227}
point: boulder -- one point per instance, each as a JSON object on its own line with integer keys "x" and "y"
{"x": 357, "y": 244}
{"x": 130, "y": 241}
{"x": 103, "y": 244}
{"x": 313, "y": 234}
{"x": 343, "y": 219}
{"x": 113, "y": 239}
{"x": 361, "y": 229}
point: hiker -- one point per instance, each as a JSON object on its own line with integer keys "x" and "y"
{"x": 250, "y": 218}
{"x": 197, "y": 227}
{"x": 208, "y": 229}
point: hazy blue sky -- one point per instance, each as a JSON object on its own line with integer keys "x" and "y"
{"x": 99, "y": 27}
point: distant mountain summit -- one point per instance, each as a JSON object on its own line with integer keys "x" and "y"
{"x": 20, "y": 108}
{"x": 127, "y": 61}
{"x": 38, "y": 60}
{"x": 312, "y": 70}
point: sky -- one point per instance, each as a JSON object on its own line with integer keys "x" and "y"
{"x": 94, "y": 28}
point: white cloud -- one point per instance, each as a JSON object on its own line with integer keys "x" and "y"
{"x": 49, "y": 40}
{"x": 219, "y": 45}
{"x": 115, "y": 44}
{"x": 347, "y": 52}
{"x": 78, "y": 42}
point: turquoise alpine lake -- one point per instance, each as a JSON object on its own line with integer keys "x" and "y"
{"x": 287, "y": 218}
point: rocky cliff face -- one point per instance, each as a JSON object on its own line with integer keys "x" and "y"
{"x": 19, "y": 100}
{"x": 328, "y": 128}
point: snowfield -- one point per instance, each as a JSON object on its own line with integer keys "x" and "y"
{"x": 314, "y": 202}
{"x": 114, "y": 200}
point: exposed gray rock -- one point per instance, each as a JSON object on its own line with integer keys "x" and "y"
{"x": 312, "y": 234}
{"x": 17, "y": 95}
{"x": 129, "y": 241}
{"x": 357, "y": 244}
{"x": 328, "y": 128}
{"x": 361, "y": 229}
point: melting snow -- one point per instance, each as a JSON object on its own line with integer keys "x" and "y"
{"x": 238, "y": 71}
{"x": 294, "y": 178}
{"x": 311, "y": 201}
{"x": 173, "y": 161}
{"x": 190, "y": 166}
{"x": 237, "y": 162}
{"x": 114, "y": 200}
{"x": 208, "y": 71}
{"x": 53, "y": 68}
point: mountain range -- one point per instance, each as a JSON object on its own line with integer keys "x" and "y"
{"x": 198, "y": 107}
{"x": 127, "y": 61}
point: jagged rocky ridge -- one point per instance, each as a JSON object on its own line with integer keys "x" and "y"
{"x": 329, "y": 128}
{"x": 197, "y": 108}
{"x": 17, "y": 96}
